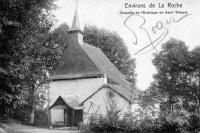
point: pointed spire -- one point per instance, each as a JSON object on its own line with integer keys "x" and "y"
{"x": 75, "y": 23}
{"x": 76, "y": 35}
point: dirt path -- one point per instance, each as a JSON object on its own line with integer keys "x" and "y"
{"x": 18, "y": 128}
{"x": 2, "y": 130}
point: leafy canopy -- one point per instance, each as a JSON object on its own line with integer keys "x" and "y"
{"x": 26, "y": 50}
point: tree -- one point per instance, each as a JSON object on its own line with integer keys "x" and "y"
{"x": 169, "y": 81}
{"x": 170, "y": 64}
{"x": 27, "y": 51}
{"x": 109, "y": 42}
{"x": 192, "y": 92}
{"x": 114, "y": 48}
{"x": 176, "y": 85}
{"x": 60, "y": 35}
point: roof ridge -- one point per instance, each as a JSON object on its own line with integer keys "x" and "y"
{"x": 106, "y": 58}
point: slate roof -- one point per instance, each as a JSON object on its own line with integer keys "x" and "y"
{"x": 104, "y": 65}
{"x": 88, "y": 61}
{"x": 76, "y": 64}
{"x": 71, "y": 101}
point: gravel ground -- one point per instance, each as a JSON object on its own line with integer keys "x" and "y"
{"x": 19, "y": 128}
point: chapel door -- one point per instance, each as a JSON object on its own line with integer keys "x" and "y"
{"x": 57, "y": 116}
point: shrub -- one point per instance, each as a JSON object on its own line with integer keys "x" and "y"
{"x": 194, "y": 123}
{"x": 128, "y": 124}
{"x": 169, "y": 127}
{"x": 115, "y": 122}
{"x": 22, "y": 114}
{"x": 41, "y": 118}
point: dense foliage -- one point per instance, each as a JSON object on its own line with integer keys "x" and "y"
{"x": 114, "y": 122}
{"x": 176, "y": 85}
{"x": 27, "y": 51}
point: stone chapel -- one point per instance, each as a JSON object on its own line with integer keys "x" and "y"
{"x": 86, "y": 84}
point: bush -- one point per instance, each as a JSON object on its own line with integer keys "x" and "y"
{"x": 168, "y": 127}
{"x": 116, "y": 122}
{"x": 128, "y": 124}
{"x": 22, "y": 114}
{"x": 41, "y": 118}
{"x": 194, "y": 123}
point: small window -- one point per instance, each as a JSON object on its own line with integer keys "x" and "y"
{"x": 110, "y": 94}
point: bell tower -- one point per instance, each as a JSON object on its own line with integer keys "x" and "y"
{"x": 75, "y": 33}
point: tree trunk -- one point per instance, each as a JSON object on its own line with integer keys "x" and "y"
{"x": 198, "y": 97}
{"x": 32, "y": 99}
{"x": 32, "y": 116}
{"x": 48, "y": 107}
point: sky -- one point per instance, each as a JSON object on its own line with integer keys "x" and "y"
{"x": 106, "y": 14}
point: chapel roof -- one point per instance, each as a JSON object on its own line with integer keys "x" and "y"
{"x": 72, "y": 101}
{"x": 86, "y": 61}
{"x": 104, "y": 65}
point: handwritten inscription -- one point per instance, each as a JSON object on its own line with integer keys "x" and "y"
{"x": 159, "y": 26}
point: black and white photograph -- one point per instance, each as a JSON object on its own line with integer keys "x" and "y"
{"x": 99, "y": 66}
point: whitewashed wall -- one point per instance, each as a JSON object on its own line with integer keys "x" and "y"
{"x": 83, "y": 88}
{"x": 99, "y": 103}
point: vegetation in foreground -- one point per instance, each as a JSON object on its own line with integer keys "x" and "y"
{"x": 115, "y": 122}
{"x": 175, "y": 91}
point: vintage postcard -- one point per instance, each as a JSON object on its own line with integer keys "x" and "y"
{"x": 91, "y": 66}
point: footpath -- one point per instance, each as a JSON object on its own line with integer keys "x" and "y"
{"x": 19, "y": 128}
